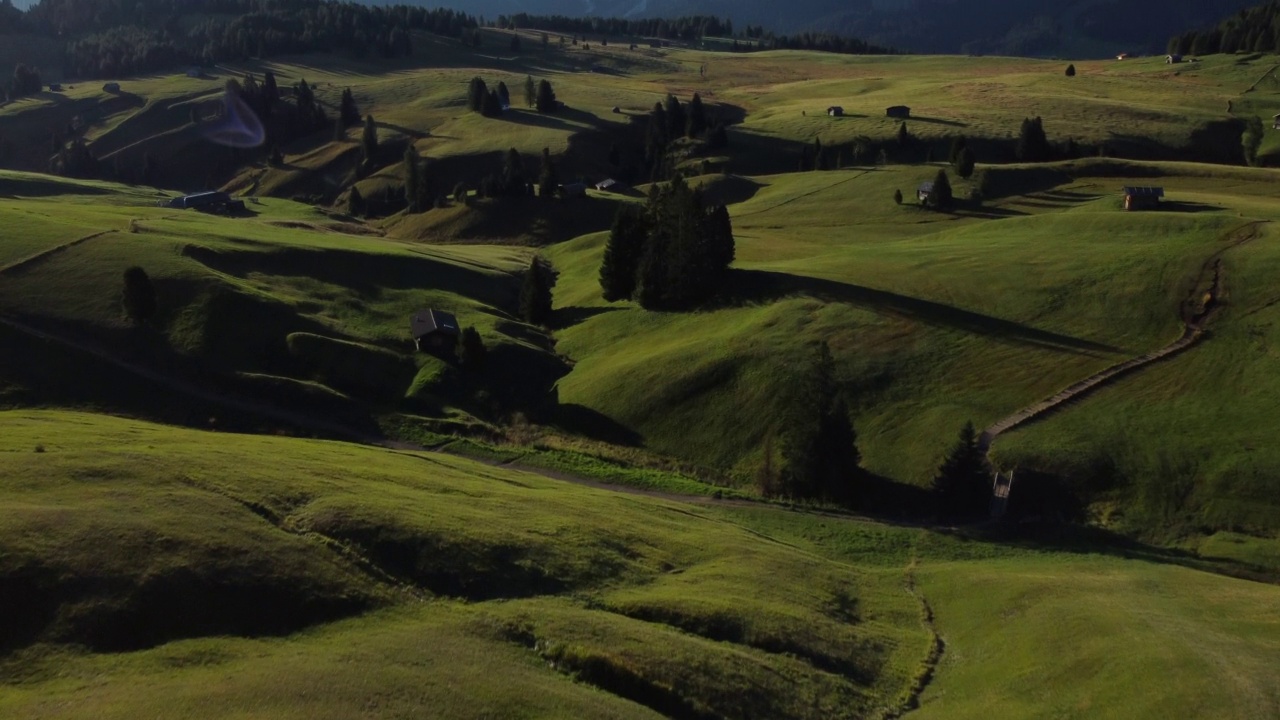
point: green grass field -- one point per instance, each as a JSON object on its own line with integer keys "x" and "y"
{"x": 246, "y": 575}
{"x": 292, "y": 578}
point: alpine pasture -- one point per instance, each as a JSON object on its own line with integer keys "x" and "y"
{"x": 255, "y": 503}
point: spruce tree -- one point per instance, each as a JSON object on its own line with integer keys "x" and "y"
{"x": 622, "y": 253}
{"x": 941, "y": 197}
{"x": 471, "y": 350}
{"x": 491, "y": 106}
{"x": 348, "y": 111}
{"x": 1071, "y": 71}
{"x": 139, "y": 298}
{"x": 546, "y": 101}
{"x": 513, "y": 179}
{"x": 355, "y": 203}
{"x": 535, "y": 295}
{"x": 675, "y": 117}
{"x": 477, "y": 91}
{"x": 530, "y": 92}
{"x": 962, "y": 485}
{"x": 964, "y": 163}
{"x": 1032, "y": 145}
{"x": 504, "y": 95}
{"x": 897, "y": 197}
{"x": 547, "y": 180}
{"x": 819, "y": 447}
{"x": 369, "y": 141}
{"x": 414, "y": 187}
{"x": 696, "y": 124}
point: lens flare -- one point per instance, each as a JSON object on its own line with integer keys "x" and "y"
{"x": 239, "y": 126}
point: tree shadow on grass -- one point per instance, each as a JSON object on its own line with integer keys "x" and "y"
{"x": 751, "y": 286}
{"x": 582, "y": 420}
{"x": 937, "y": 121}
{"x": 570, "y": 316}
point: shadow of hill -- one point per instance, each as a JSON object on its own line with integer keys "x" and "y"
{"x": 749, "y": 286}
{"x": 570, "y": 316}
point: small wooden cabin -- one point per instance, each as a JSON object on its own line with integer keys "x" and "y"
{"x": 572, "y": 190}
{"x": 434, "y": 331}
{"x": 1275, "y": 122}
{"x": 898, "y": 111}
{"x": 111, "y": 87}
{"x": 1142, "y": 198}
{"x": 1172, "y": 59}
{"x": 835, "y": 111}
{"x": 924, "y": 192}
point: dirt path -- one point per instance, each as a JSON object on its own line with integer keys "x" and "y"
{"x": 1195, "y": 314}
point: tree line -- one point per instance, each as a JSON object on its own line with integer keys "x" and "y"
{"x": 1255, "y": 29}
{"x": 111, "y": 38}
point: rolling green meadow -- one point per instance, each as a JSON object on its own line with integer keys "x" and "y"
{"x": 264, "y": 503}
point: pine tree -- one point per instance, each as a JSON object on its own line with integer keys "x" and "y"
{"x": 1071, "y": 71}
{"x": 696, "y": 124}
{"x": 941, "y": 197}
{"x": 622, "y": 253}
{"x": 139, "y": 298}
{"x": 491, "y": 106}
{"x": 355, "y": 203}
{"x": 477, "y": 91}
{"x": 1032, "y": 145}
{"x": 897, "y": 197}
{"x": 546, "y": 101}
{"x": 513, "y": 179}
{"x": 964, "y": 163}
{"x": 413, "y": 185}
{"x": 962, "y": 486}
{"x": 369, "y": 141}
{"x": 718, "y": 232}
{"x": 547, "y": 180}
{"x": 348, "y": 111}
{"x": 504, "y": 95}
{"x": 535, "y": 295}
{"x": 675, "y": 118}
{"x": 471, "y": 350}
{"x": 530, "y": 92}
{"x": 819, "y": 446}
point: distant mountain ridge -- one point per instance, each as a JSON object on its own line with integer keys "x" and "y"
{"x": 1074, "y": 28}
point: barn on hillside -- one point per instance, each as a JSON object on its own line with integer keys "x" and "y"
{"x": 898, "y": 111}
{"x": 1142, "y": 198}
{"x": 434, "y": 331}
{"x": 835, "y": 111}
{"x": 924, "y": 192}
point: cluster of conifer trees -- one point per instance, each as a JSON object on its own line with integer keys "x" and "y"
{"x": 671, "y": 121}
{"x": 25, "y": 81}
{"x": 1255, "y": 29}
{"x": 671, "y": 254}
{"x": 492, "y": 102}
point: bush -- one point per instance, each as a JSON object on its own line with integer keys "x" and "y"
{"x": 139, "y": 295}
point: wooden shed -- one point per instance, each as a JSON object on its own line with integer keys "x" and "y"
{"x": 1142, "y": 198}
{"x": 434, "y": 331}
{"x": 835, "y": 111}
{"x": 924, "y": 192}
{"x": 898, "y": 111}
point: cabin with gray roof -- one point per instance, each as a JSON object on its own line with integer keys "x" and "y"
{"x": 434, "y": 331}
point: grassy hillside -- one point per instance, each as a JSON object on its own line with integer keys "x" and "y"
{"x": 472, "y": 586}
{"x": 231, "y": 292}
{"x": 290, "y": 578}
{"x": 936, "y": 319}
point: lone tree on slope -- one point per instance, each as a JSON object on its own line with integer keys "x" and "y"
{"x": 962, "y": 486}
{"x": 546, "y": 102}
{"x": 139, "y": 295}
{"x": 535, "y": 294}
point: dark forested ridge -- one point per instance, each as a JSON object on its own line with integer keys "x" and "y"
{"x": 109, "y": 38}
{"x": 1074, "y": 28}
{"x": 1255, "y": 29}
